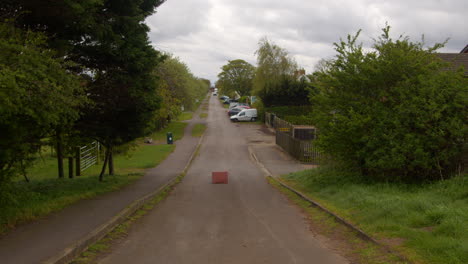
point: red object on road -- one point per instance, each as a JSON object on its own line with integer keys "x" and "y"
{"x": 219, "y": 177}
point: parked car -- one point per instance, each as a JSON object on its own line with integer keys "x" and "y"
{"x": 237, "y": 104}
{"x": 245, "y": 115}
{"x": 224, "y": 97}
{"x": 232, "y": 105}
{"x": 234, "y": 111}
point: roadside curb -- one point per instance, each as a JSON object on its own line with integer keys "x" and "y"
{"x": 74, "y": 250}
{"x": 339, "y": 219}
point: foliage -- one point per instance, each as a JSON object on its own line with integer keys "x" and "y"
{"x": 122, "y": 86}
{"x": 185, "y": 116}
{"x": 427, "y": 221}
{"x": 44, "y": 194}
{"x": 282, "y": 111}
{"x": 181, "y": 85}
{"x": 237, "y": 76}
{"x": 273, "y": 62}
{"x": 108, "y": 40}
{"x": 258, "y": 104}
{"x": 299, "y": 120}
{"x": 393, "y": 112}
{"x": 287, "y": 91}
{"x": 198, "y": 130}
{"x": 37, "y": 94}
{"x": 278, "y": 81}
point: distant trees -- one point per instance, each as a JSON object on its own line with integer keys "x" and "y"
{"x": 237, "y": 76}
{"x": 177, "y": 87}
{"x": 394, "y": 112}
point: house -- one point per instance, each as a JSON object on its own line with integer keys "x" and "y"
{"x": 456, "y": 59}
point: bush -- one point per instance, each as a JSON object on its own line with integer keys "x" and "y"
{"x": 394, "y": 112}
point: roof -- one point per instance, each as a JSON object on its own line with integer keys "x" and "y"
{"x": 457, "y": 59}
{"x": 464, "y": 50}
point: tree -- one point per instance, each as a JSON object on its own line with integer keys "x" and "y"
{"x": 123, "y": 86}
{"x": 287, "y": 91}
{"x": 393, "y": 112}
{"x": 278, "y": 81}
{"x": 237, "y": 76}
{"x": 273, "y": 63}
{"x": 181, "y": 83}
{"x": 38, "y": 94}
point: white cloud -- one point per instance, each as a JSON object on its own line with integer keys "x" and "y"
{"x": 205, "y": 34}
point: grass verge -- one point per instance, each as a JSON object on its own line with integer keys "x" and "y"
{"x": 427, "y": 223}
{"x": 339, "y": 237}
{"x": 45, "y": 193}
{"x": 118, "y": 234}
{"x": 185, "y": 116}
{"x": 198, "y": 130}
{"x": 203, "y": 115}
{"x": 92, "y": 254}
{"x": 176, "y": 128}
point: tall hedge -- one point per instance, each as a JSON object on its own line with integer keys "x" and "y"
{"x": 394, "y": 112}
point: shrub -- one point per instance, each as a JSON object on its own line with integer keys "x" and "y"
{"x": 393, "y": 112}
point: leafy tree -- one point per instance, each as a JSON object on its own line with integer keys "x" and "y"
{"x": 181, "y": 83}
{"x": 273, "y": 63}
{"x": 37, "y": 95}
{"x": 288, "y": 90}
{"x": 394, "y": 112}
{"x": 123, "y": 86}
{"x": 108, "y": 39}
{"x": 237, "y": 76}
{"x": 278, "y": 81}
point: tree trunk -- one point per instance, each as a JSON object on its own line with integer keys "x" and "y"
{"x": 59, "y": 153}
{"x": 106, "y": 159}
{"x": 70, "y": 167}
{"x": 78, "y": 162}
{"x": 111, "y": 162}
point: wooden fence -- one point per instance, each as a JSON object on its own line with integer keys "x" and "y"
{"x": 302, "y": 150}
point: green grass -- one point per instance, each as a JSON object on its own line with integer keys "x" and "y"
{"x": 203, "y": 115}
{"x": 185, "y": 116}
{"x": 45, "y": 193}
{"x": 356, "y": 249}
{"x": 198, "y": 130}
{"x": 177, "y": 129}
{"x": 427, "y": 222}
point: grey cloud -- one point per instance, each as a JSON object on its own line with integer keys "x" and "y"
{"x": 208, "y": 33}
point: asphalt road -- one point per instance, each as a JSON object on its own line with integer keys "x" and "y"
{"x": 245, "y": 221}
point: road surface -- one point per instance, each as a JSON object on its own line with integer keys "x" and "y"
{"x": 244, "y": 221}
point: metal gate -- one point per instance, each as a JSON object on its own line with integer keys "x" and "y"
{"x": 89, "y": 155}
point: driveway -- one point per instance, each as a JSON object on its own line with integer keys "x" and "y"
{"x": 245, "y": 221}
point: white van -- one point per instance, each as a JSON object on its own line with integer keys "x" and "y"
{"x": 245, "y": 115}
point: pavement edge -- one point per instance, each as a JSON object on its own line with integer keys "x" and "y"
{"x": 339, "y": 219}
{"x": 72, "y": 251}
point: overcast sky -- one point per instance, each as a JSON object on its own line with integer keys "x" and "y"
{"x": 205, "y": 34}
